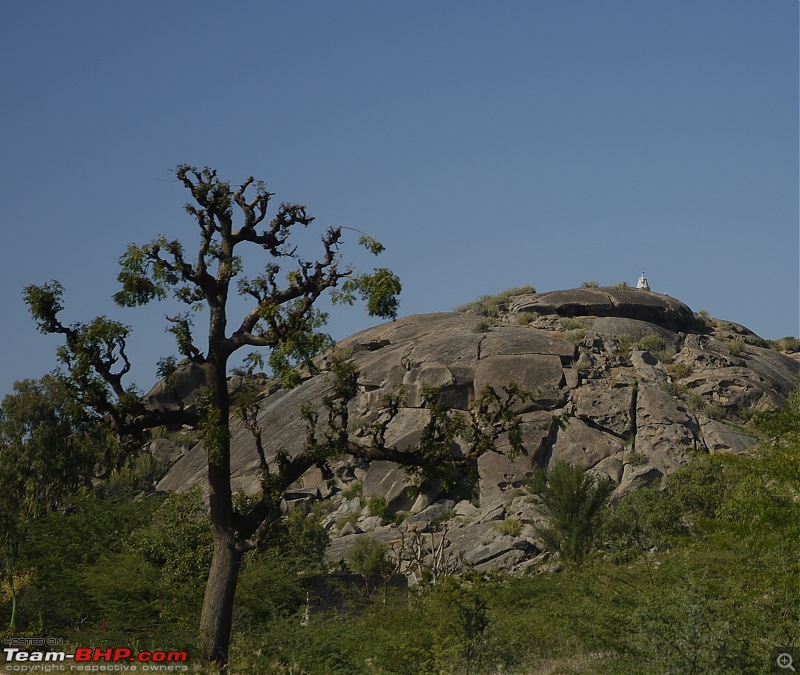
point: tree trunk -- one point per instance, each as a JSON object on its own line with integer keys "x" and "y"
{"x": 14, "y": 624}
{"x": 217, "y": 616}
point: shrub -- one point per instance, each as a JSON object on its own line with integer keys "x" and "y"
{"x": 695, "y": 402}
{"x": 752, "y": 339}
{"x": 679, "y": 370}
{"x": 519, "y": 290}
{"x": 675, "y": 389}
{"x": 635, "y": 458}
{"x": 377, "y": 506}
{"x": 657, "y": 346}
{"x": 178, "y": 542}
{"x": 624, "y": 286}
{"x": 735, "y": 345}
{"x": 510, "y": 527}
{"x": 441, "y": 519}
{"x": 590, "y": 284}
{"x": 368, "y": 558}
{"x": 524, "y": 318}
{"x": 493, "y": 305}
{"x": 785, "y": 344}
{"x": 353, "y": 490}
{"x": 703, "y": 321}
{"x": 785, "y": 421}
{"x": 575, "y": 336}
{"x": 576, "y": 500}
{"x": 483, "y": 326}
{"x": 351, "y": 518}
{"x": 299, "y": 536}
{"x": 583, "y": 364}
{"x": 652, "y": 343}
{"x": 568, "y": 323}
{"x": 625, "y": 342}
{"x": 715, "y": 412}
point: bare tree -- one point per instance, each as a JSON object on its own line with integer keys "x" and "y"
{"x": 283, "y": 320}
{"x": 420, "y": 556}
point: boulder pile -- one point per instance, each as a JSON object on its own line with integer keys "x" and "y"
{"x": 630, "y": 385}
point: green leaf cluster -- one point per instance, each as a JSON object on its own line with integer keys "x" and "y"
{"x": 178, "y": 541}
{"x": 575, "y": 500}
{"x": 380, "y": 291}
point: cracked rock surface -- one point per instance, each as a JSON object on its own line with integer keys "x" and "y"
{"x": 640, "y": 386}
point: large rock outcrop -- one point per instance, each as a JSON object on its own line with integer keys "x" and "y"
{"x": 631, "y": 384}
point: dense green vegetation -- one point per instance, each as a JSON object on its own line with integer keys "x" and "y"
{"x": 702, "y": 576}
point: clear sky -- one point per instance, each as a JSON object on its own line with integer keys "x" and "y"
{"x": 486, "y": 144}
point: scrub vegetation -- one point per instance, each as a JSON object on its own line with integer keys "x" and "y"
{"x": 698, "y": 576}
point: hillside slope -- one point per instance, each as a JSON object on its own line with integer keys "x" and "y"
{"x": 630, "y": 384}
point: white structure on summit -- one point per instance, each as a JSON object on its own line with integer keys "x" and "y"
{"x": 642, "y": 283}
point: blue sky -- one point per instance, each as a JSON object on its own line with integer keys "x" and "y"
{"x": 487, "y": 145}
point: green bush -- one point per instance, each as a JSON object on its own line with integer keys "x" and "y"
{"x": 784, "y": 422}
{"x": 378, "y": 506}
{"x": 368, "y": 558}
{"x": 300, "y": 536}
{"x": 590, "y": 284}
{"x": 735, "y": 345}
{"x": 703, "y": 321}
{"x": 694, "y": 401}
{"x": 576, "y": 501}
{"x": 675, "y": 389}
{"x": 652, "y": 343}
{"x": 272, "y": 585}
{"x": 657, "y": 346}
{"x": 178, "y": 542}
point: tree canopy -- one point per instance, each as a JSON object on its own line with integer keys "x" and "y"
{"x": 283, "y": 319}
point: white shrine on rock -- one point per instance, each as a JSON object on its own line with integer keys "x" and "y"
{"x": 642, "y": 283}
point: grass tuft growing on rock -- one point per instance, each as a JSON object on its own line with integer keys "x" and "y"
{"x": 785, "y": 344}
{"x": 494, "y": 305}
{"x": 735, "y": 345}
{"x": 510, "y": 527}
{"x": 575, "y": 336}
{"x": 568, "y": 323}
{"x": 525, "y": 318}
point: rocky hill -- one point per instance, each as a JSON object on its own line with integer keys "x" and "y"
{"x": 630, "y": 384}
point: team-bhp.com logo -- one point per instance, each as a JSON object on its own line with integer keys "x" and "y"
{"x": 93, "y": 660}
